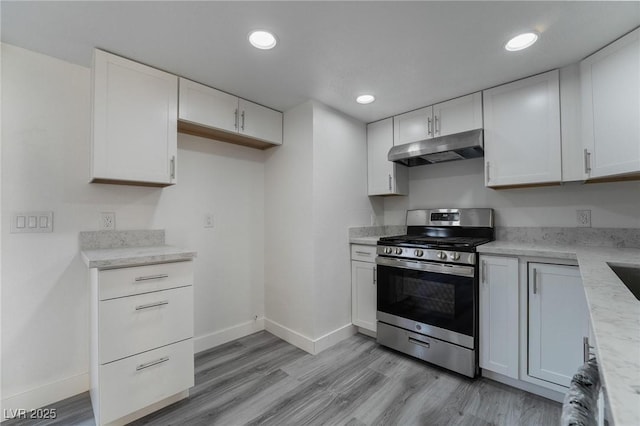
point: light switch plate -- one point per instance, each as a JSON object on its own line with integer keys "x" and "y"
{"x": 208, "y": 220}
{"x": 31, "y": 222}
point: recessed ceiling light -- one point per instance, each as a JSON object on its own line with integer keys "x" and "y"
{"x": 262, "y": 39}
{"x": 521, "y": 41}
{"x": 365, "y": 99}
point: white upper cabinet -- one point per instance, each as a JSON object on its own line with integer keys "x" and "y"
{"x": 208, "y": 112}
{"x": 522, "y": 132}
{"x": 413, "y": 126}
{"x": 384, "y": 177}
{"x": 611, "y": 108}
{"x": 458, "y": 115}
{"x": 558, "y": 322}
{"x": 260, "y": 122}
{"x": 135, "y": 112}
{"x": 207, "y": 106}
{"x": 446, "y": 118}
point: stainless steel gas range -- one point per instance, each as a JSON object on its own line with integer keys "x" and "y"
{"x": 428, "y": 286}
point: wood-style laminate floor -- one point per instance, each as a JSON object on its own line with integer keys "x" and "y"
{"x": 262, "y": 380}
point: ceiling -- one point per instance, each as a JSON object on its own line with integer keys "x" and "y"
{"x": 408, "y": 54}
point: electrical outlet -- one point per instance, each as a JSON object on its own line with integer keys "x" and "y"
{"x": 208, "y": 220}
{"x": 107, "y": 221}
{"x": 584, "y": 218}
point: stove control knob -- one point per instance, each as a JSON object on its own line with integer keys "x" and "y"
{"x": 418, "y": 253}
{"x": 398, "y": 251}
{"x": 387, "y": 250}
{"x": 441, "y": 255}
{"x": 455, "y": 256}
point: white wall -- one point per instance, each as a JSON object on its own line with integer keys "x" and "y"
{"x": 45, "y": 166}
{"x": 461, "y": 184}
{"x": 339, "y": 202}
{"x": 289, "y": 219}
{"x": 316, "y": 186}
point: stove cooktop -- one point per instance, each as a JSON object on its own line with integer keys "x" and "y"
{"x": 424, "y": 241}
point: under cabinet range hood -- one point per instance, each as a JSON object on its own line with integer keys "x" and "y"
{"x": 459, "y": 146}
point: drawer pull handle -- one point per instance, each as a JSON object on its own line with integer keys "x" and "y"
{"x": 152, "y": 305}
{"x": 363, "y": 253}
{"x": 419, "y": 343}
{"x": 152, "y": 363}
{"x": 152, "y": 277}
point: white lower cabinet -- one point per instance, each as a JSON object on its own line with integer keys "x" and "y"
{"x": 558, "y": 322}
{"x": 141, "y": 339}
{"x": 363, "y": 287}
{"x": 499, "y": 315}
{"x": 533, "y": 319}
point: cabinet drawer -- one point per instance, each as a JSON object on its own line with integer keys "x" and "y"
{"x": 363, "y": 253}
{"x": 138, "y": 381}
{"x": 143, "y": 279}
{"x": 130, "y": 325}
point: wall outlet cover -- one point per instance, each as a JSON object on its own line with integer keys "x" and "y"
{"x": 583, "y": 218}
{"x": 107, "y": 221}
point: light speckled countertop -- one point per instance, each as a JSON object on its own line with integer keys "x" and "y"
{"x": 134, "y": 256}
{"x": 615, "y": 316}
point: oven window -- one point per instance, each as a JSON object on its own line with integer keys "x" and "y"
{"x": 441, "y": 300}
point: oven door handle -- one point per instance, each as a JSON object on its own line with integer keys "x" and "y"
{"x": 415, "y": 265}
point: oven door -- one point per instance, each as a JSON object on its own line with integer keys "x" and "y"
{"x": 433, "y": 299}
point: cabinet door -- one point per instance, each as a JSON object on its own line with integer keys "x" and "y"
{"x": 499, "y": 315}
{"x": 135, "y": 115}
{"x": 558, "y": 322}
{"x": 522, "y": 132}
{"x": 260, "y": 122}
{"x": 611, "y": 107}
{"x": 458, "y": 115}
{"x": 413, "y": 126}
{"x": 208, "y": 107}
{"x": 363, "y": 294}
{"x": 384, "y": 177}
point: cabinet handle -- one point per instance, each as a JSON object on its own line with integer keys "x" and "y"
{"x": 587, "y": 161}
{"x": 419, "y": 343}
{"x": 428, "y": 125}
{"x": 535, "y": 281}
{"x": 586, "y": 349}
{"x": 235, "y": 119}
{"x": 152, "y": 277}
{"x": 363, "y": 253}
{"x": 375, "y": 275}
{"x": 173, "y": 167}
{"x": 152, "y": 363}
{"x": 487, "y": 171}
{"x": 484, "y": 271}
{"x": 436, "y": 126}
{"x": 152, "y": 305}
{"x": 242, "y": 126}
{"x": 390, "y": 182}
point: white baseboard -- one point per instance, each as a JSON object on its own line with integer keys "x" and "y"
{"x": 525, "y": 386}
{"x": 333, "y": 337}
{"x": 367, "y": 332}
{"x": 312, "y": 346}
{"x": 45, "y": 395}
{"x": 208, "y": 341}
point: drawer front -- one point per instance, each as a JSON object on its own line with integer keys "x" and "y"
{"x": 138, "y": 381}
{"x": 121, "y": 282}
{"x": 363, "y": 253}
{"x": 130, "y": 325}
